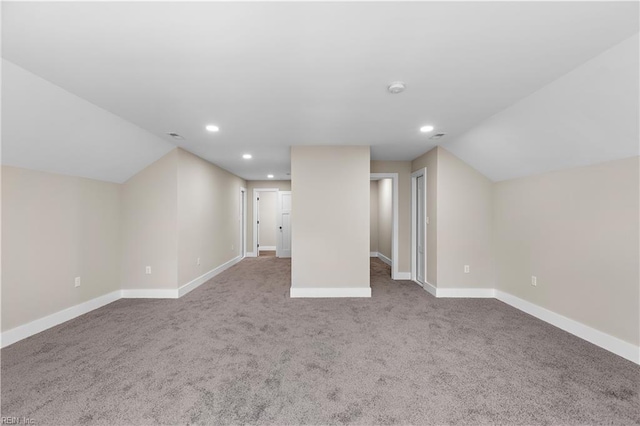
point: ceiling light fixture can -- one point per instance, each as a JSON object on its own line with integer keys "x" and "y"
{"x": 426, "y": 129}
{"x": 246, "y": 156}
{"x": 396, "y": 87}
{"x": 270, "y": 176}
{"x": 212, "y": 128}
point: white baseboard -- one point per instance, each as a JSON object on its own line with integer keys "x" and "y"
{"x": 476, "y": 293}
{"x": 384, "y": 258}
{"x": 373, "y": 254}
{"x": 192, "y": 285}
{"x": 267, "y": 248}
{"x": 597, "y": 337}
{"x": 150, "y": 293}
{"x": 250, "y": 254}
{"x": 330, "y": 292}
{"x": 402, "y": 276}
{"x": 34, "y": 327}
{"x": 430, "y": 288}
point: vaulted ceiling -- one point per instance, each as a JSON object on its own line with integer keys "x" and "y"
{"x": 273, "y": 75}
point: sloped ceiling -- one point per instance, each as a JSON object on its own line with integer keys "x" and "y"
{"x": 273, "y": 75}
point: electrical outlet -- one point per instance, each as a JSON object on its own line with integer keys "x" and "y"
{"x": 147, "y": 270}
{"x": 466, "y": 269}
{"x": 198, "y": 261}
{"x": 534, "y": 280}
{"x": 77, "y": 282}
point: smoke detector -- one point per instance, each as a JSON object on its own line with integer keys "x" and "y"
{"x": 396, "y": 87}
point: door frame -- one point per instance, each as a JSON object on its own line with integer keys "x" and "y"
{"x": 414, "y": 229}
{"x": 256, "y": 194}
{"x": 394, "y": 219}
{"x": 243, "y": 222}
{"x": 279, "y": 225}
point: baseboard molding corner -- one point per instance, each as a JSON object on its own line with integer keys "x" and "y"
{"x": 476, "y": 293}
{"x": 29, "y": 329}
{"x": 402, "y": 276}
{"x": 315, "y": 292}
{"x": 373, "y": 254}
{"x": 267, "y": 248}
{"x": 597, "y": 337}
{"x": 384, "y": 258}
{"x": 430, "y": 288}
{"x": 250, "y": 254}
{"x": 197, "y": 282}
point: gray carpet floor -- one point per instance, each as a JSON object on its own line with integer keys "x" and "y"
{"x": 238, "y": 350}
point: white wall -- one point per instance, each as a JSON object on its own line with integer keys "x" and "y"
{"x": 577, "y": 231}
{"x": 208, "y": 214}
{"x": 330, "y": 221}
{"x": 464, "y": 227}
{"x": 267, "y": 216}
{"x": 56, "y": 228}
{"x": 385, "y": 217}
{"x": 149, "y": 218}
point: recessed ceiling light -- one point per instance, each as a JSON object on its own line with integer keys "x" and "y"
{"x": 246, "y": 156}
{"x": 426, "y": 129}
{"x": 212, "y": 128}
{"x": 270, "y": 176}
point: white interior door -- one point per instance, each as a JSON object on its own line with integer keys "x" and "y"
{"x": 283, "y": 248}
{"x": 420, "y": 226}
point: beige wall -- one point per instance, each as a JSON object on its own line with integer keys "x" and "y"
{"x": 373, "y": 216}
{"x": 330, "y": 220}
{"x": 577, "y": 231}
{"x": 56, "y": 228}
{"x": 464, "y": 227}
{"x": 281, "y": 185}
{"x": 403, "y": 168}
{"x": 208, "y": 216}
{"x": 267, "y": 215}
{"x": 385, "y": 217}
{"x": 149, "y": 226}
{"x": 430, "y": 161}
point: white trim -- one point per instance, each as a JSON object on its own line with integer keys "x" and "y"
{"x": 193, "y": 284}
{"x": 414, "y": 230}
{"x": 597, "y": 337}
{"x": 256, "y": 193}
{"x": 250, "y": 254}
{"x": 404, "y": 276}
{"x": 476, "y": 293}
{"x": 268, "y": 248}
{"x": 430, "y": 288}
{"x": 243, "y": 222}
{"x": 150, "y": 293}
{"x": 330, "y": 292}
{"x": 373, "y": 254}
{"x": 395, "y": 236}
{"x": 385, "y": 259}
{"x": 34, "y": 327}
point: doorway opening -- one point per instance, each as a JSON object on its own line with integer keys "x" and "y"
{"x": 419, "y": 222}
{"x": 272, "y": 222}
{"x": 385, "y": 213}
